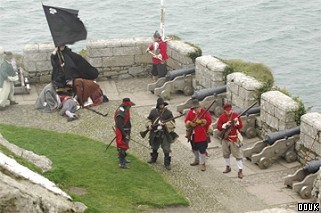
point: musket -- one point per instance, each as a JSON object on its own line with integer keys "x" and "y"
{"x": 111, "y": 140}
{"x": 99, "y": 113}
{"x": 139, "y": 143}
{"x": 223, "y": 134}
{"x": 190, "y": 130}
{"x": 144, "y": 133}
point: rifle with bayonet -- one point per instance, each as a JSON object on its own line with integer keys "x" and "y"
{"x": 224, "y": 133}
{"x": 189, "y": 131}
{"x": 144, "y": 133}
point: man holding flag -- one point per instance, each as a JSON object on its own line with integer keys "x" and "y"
{"x": 67, "y": 28}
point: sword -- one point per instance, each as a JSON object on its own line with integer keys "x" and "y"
{"x": 111, "y": 140}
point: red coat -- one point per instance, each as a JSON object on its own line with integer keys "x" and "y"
{"x": 162, "y": 49}
{"x": 123, "y": 126}
{"x": 232, "y": 136}
{"x": 199, "y": 131}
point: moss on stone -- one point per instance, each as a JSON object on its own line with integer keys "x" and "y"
{"x": 196, "y": 53}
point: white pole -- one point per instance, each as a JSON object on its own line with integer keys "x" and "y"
{"x": 162, "y": 19}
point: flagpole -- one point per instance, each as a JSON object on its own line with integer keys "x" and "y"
{"x": 162, "y": 19}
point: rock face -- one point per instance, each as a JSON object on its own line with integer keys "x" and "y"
{"x": 22, "y": 190}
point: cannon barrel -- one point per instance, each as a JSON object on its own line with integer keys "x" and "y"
{"x": 253, "y": 110}
{"x": 203, "y": 93}
{"x": 174, "y": 73}
{"x": 312, "y": 166}
{"x": 272, "y": 137}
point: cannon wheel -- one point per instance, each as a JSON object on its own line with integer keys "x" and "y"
{"x": 188, "y": 91}
{"x": 250, "y": 132}
{"x": 218, "y": 111}
{"x": 264, "y": 163}
{"x": 290, "y": 156}
{"x": 305, "y": 192}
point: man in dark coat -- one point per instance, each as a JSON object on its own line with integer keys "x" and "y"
{"x": 159, "y": 131}
{"x": 123, "y": 129}
{"x": 67, "y": 65}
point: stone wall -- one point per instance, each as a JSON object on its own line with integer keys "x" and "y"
{"x": 277, "y": 112}
{"x": 115, "y": 58}
{"x": 310, "y": 137}
{"x": 241, "y": 89}
{"x": 36, "y": 61}
{"x": 209, "y": 72}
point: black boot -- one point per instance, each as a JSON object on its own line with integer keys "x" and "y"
{"x": 153, "y": 157}
{"x": 167, "y": 161}
{"x": 121, "y": 157}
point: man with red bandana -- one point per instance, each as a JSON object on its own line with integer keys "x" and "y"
{"x": 159, "y": 56}
{"x": 230, "y": 123}
{"x": 198, "y": 121}
{"x": 123, "y": 128}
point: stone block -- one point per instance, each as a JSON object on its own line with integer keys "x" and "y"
{"x": 272, "y": 121}
{"x": 96, "y": 62}
{"x": 30, "y": 66}
{"x": 43, "y": 66}
{"x": 99, "y": 52}
{"x": 123, "y": 51}
{"x": 118, "y": 61}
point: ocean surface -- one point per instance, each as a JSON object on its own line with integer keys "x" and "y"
{"x": 284, "y": 35}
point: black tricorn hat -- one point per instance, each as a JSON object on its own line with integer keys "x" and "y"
{"x": 161, "y": 101}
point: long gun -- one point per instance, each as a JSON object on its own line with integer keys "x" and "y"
{"x": 144, "y": 133}
{"x": 225, "y": 132}
{"x": 189, "y": 131}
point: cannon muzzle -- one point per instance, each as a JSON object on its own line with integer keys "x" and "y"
{"x": 181, "y": 72}
{"x": 203, "y": 93}
{"x": 272, "y": 137}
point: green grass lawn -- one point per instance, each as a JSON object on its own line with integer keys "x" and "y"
{"x": 81, "y": 162}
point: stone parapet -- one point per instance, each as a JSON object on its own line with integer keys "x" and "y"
{"x": 241, "y": 89}
{"x": 37, "y": 61}
{"x": 310, "y": 137}
{"x": 114, "y": 58}
{"x": 209, "y": 72}
{"x": 277, "y": 112}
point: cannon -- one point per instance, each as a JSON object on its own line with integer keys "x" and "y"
{"x": 183, "y": 81}
{"x": 22, "y": 86}
{"x": 249, "y": 121}
{"x": 301, "y": 181}
{"x": 206, "y": 97}
{"x": 170, "y": 76}
{"x": 274, "y": 145}
{"x": 203, "y": 93}
{"x": 181, "y": 72}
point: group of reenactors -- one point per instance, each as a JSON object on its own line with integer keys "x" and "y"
{"x": 71, "y": 67}
{"x": 161, "y": 124}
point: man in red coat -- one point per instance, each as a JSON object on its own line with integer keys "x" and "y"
{"x": 159, "y": 56}
{"x": 123, "y": 128}
{"x": 197, "y": 123}
{"x": 230, "y": 123}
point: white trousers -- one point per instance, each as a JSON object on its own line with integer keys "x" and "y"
{"x": 6, "y": 93}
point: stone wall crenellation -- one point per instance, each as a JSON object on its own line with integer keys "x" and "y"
{"x": 114, "y": 58}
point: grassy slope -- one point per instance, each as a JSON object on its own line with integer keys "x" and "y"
{"x": 81, "y": 162}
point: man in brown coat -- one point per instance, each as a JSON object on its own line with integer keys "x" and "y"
{"x": 85, "y": 89}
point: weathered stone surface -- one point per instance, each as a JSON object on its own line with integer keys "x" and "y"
{"x": 40, "y": 161}
{"x": 16, "y": 196}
